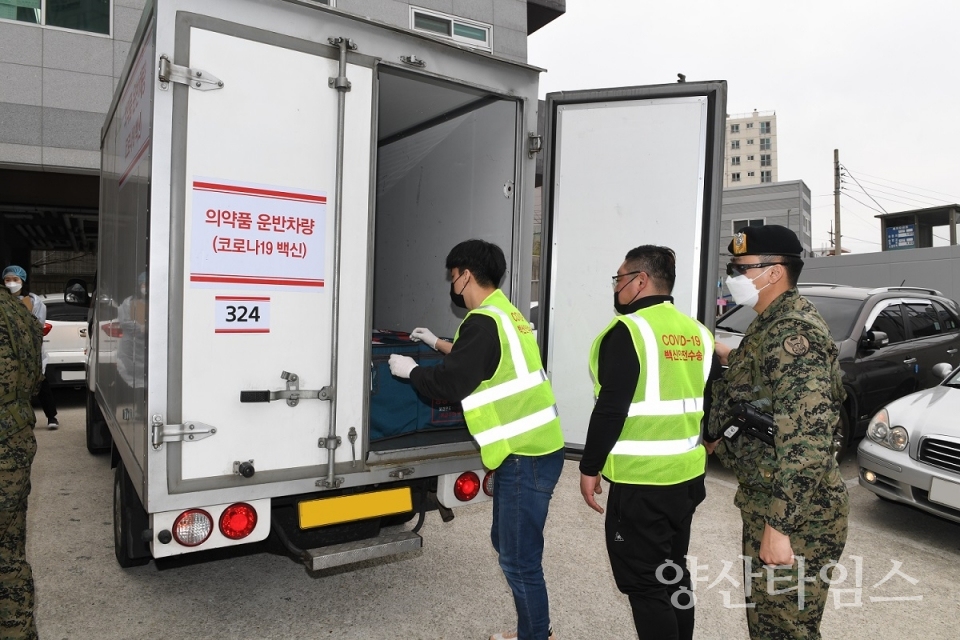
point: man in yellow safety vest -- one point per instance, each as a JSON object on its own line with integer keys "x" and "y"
{"x": 650, "y": 367}
{"x": 493, "y": 368}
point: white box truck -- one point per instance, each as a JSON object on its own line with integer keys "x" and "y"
{"x": 280, "y": 179}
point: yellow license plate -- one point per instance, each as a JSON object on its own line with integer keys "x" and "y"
{"x": 327, "y": 511}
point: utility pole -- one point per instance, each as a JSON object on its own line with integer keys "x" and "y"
{"x": 836, "y": 202}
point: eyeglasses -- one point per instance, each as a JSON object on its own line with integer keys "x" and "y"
{"x": 741, "y": 269}
{"x": 616, "y": 279}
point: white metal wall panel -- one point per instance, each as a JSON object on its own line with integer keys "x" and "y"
{"x": 275, "y": 124}
{"x": 626, "y": 173}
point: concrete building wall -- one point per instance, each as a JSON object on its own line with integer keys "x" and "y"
{"x": 56, "y": 84}
{"x": 508, "y": 18}
{"x": 934, "y": 267}
{"x": 783, "y": 203}
{"x": 55, "y": 89}
{"x": 751, "y": 149}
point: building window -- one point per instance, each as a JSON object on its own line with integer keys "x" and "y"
{"x": 735, "y": 160}
{"x": 81, "y": 15}
{"x": 734, "y": 144}
{"x": 734, "y": 128}
{"x": 735, "y": 177}
{"x": 766, "y": 176}
{"x": 749, "y": 174}
{"x": 764, "y": 144}
{"x": 765, "y": 127}
{"x": 765, "y": 160}
{"x": 749, "y": 125}
{"x": 740, "y": 224}
{"x": 475, "y": 34}
{"x": 750, "y": 141}
{"x": 749, "y": 158}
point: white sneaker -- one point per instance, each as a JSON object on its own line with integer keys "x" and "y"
{"x": 512, "y": 635}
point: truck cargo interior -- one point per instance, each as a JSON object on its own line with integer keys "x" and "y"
{"x": 446, "y": 166}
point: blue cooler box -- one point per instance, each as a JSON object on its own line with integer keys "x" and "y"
{"x": 396, "y": 409}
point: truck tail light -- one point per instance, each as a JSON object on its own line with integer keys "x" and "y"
{"x": 238, "y": 521}
{"x": 467, "y": 486}
{"x": 488, "y": 483}
{"x": 112, "y": 329}
{"x": 46, "y": 328}
{"x": 192, "y": 527}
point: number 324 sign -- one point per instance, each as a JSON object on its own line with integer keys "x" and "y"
{"x": 244, "y": 314}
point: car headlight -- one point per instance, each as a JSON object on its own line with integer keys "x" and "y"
{"x": 880, "y": 431}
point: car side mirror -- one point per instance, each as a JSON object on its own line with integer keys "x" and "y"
{"x": 874, "y": 340}
{"x": 942, "y": 370}
{"x": 75, "y": 293}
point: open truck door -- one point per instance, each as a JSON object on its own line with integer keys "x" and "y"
{"x": 623, "y": 167}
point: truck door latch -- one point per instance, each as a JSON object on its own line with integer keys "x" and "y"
{"x": 186, "y": 432}
{"x": 293, "y": 393}
{"x": 193, "y": 78}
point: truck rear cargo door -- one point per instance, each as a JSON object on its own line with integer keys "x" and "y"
{"x": 259, "y": 283}
{"x": 622, "y": 168}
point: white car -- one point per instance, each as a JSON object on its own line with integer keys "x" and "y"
{"x": 65, "y": 341}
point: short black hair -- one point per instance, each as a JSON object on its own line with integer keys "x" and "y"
{"x": 793, "y": 266}
{"x": 484, "y": 259}
{"x": 659, "y": 263}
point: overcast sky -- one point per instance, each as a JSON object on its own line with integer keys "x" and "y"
{"x": 876, "y": 79}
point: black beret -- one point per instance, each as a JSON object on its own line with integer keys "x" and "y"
{"x": 771, "y": 239}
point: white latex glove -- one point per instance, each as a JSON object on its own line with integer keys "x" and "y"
{"x": 401, "y": 366}
{"x": 424, "y": 334}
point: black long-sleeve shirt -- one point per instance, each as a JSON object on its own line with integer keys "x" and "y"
{"x": 618, "y": 371}
{"x": 473, "y": 359}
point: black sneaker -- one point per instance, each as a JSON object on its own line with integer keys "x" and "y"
{"x": 52, "y": 424}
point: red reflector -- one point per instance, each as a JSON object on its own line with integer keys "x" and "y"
{"x": 46, "y": 328}
{"x": 238, "y": 521}
{"x": 112, "y": 329}
{"x": 488, "y": 483}
{"x": 467, "y": 486}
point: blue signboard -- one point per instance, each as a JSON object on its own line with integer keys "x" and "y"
{"x": 901, "y": 237}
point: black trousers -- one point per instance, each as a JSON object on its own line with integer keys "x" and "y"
{"x": 45, "y": 395}
{"x": 648, "y": 533}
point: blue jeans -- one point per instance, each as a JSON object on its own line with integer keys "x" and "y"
{"x": 523, "y": 486}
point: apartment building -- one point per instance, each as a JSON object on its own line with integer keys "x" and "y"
{"x": 751, "y": 149}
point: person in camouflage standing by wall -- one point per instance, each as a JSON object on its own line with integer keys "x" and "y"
{"x": 20, "y": 341}
{"x": 792, "y": 500}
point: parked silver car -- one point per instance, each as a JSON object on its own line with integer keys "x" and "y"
{"x": 911, "y": 453}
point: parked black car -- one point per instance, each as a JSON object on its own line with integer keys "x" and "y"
{"x": 889, "y": 340}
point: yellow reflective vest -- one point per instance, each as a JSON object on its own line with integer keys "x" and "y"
{"x": 660, "y": 441}
{"x": 514, "y": 411}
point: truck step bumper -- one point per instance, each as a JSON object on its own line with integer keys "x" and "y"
{"x": 349, "y": 552}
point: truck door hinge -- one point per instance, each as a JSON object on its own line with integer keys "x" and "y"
{"x": 400, "y": 474}
{"x": 186, "y": 432}
{"x": 293, "y": 393}
{"x": 193, "y": 78}
{"x": 536, "y": 144}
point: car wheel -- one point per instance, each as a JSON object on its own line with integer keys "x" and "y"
{"x": 98, "y": 435}
{"x": 842, "y": 436}
{"x": 129, "y": 520}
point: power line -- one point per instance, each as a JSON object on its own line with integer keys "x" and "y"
{"x": 956, "y": 198}
{"x": 910, "y": 192}
{"x": 888, "y": 198}
{"x": 861, "y": 186}
{"x": 872, "y": 223}
{"x": 844, "y": 193}
{"x": 923, "y": 202}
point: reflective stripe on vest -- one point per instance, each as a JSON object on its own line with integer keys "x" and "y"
{"x": 645, "y": 453}
{"x": 513, "y": 411}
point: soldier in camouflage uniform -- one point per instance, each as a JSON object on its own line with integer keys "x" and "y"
{"x": 791, "y": 497}
{"x": 20, "y": 340}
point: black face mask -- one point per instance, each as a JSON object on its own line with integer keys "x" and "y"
{"x": 457, "y": 298}
{"x": 622, "y": 309}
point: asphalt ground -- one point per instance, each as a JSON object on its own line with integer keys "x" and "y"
{"x": 901, "y": 566}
